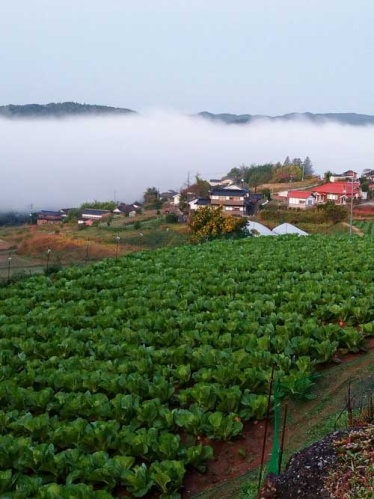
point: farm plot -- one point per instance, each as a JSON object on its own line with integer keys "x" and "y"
{"x": 111, "y": 374}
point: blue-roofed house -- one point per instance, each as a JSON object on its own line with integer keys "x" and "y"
{"x": 234, "y": 200}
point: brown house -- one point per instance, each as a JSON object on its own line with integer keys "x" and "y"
{"x": 49, "y": 217}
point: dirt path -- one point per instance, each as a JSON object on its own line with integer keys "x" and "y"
{"x": 356, "y": 230}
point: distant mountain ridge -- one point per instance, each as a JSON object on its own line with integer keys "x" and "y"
{"x": 59, "y": 110}
{"x": 342, "y": 118}
{"x": 66, "y": 109}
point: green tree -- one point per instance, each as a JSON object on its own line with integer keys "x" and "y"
{"x": 210, "y": 222}
{"x": 291, "y": 173}
{"x": 307, "y": 166}
{"x": 266, "y": 193}
{"x": 99, "y": 205}
{"x": 202, "y": 186}
{"x": 364, "y": 184}
{"x": 152, "y": 198}
{"x": 297, "y": 161}
{"x": 238, "y": 174}
{"x": 327, "y": 176}
{"x": 183, "y": 202}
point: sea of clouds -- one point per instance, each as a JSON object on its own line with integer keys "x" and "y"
{"x": 60, "y": 163}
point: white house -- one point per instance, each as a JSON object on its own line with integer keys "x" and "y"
{"x": 300, "y": 199}
{"x": 176, "y": 199}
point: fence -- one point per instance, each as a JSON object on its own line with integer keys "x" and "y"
{"x": 339, "y": 397}
{"x": 13, "y": 268}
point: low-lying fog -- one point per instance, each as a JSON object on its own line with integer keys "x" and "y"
{"x": 54, "y": 164}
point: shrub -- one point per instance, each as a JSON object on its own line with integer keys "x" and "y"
{"x": 209, "y": 222}
{"x": 171, "y": 218}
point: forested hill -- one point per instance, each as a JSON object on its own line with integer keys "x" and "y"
{"x": 342, "y": 118}
{"x": 66, "y": 109}
{"x": 59, "y": 110}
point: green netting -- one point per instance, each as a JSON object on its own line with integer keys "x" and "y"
{"x": 273, "y": 466}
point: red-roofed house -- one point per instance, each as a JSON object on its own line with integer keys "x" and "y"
{"x": 337, "y": 192}
{"x": 300, "y": 199}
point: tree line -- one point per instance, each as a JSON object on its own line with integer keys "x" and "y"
{"x": 289, "y": 171}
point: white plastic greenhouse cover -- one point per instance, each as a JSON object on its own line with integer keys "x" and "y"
{"x": 259, "y": 229}
{"x": 289, "y": 229}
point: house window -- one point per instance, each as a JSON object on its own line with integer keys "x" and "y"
{"x": 215, "y": 197}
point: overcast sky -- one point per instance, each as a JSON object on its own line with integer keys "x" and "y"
{"x": 167, "y": 58}
{"x": 239, "y": 56}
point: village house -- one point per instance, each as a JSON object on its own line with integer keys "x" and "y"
{"x": 215, "y": 182}
{"x": 234, "y": 200}
{"x": 128, "y": 210}
{"x": 92, "y": 214}
{"x": 49, "y": 217}
{"x": 300, "y": 199}
{"x": 343, "y": 177}
{"x": 337, "y": 192}
{"x": 369, "y": 175}
{"x": 198, "y": 203}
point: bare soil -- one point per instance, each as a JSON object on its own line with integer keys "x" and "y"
{"x": 231, "y": 459}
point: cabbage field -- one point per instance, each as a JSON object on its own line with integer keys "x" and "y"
{"x": 112, "y": 373}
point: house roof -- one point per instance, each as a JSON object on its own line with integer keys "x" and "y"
{"x": 339, "y": 188}
{"x": 125, "y": 208}
{"x": 168, "y": 194}
{"x": 289, "y": 229}
{"x": 200, "y": 202}
{"x": 299, "y": 194}
{"x": 228, "y": 191}
{"x": 91, "y": 211}
{"x": 48, "y": 213}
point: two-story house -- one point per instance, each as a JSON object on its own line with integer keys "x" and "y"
{"x": 234, "y": 199}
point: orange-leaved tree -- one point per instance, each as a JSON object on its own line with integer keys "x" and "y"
{"x": 209, "y": 222}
